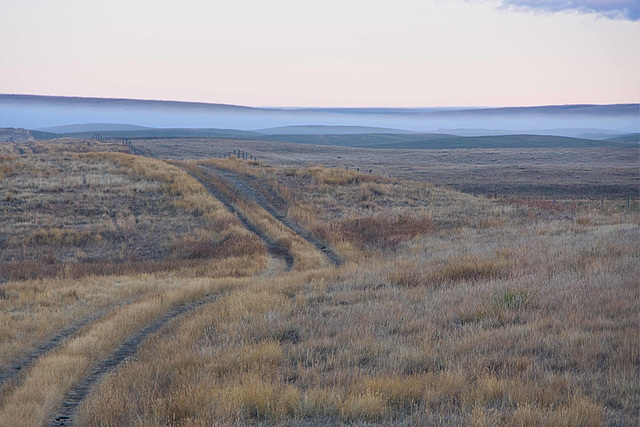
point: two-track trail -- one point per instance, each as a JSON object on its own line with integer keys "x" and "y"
{"x": 73, "y": 399}
{"x": 20, "y": 365}
{"x": 273, "y": 248}
{"x": 232, "y": 190}
{"x": 250, "y": 188}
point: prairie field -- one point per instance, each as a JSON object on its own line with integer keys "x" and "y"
{"x": 171, "y": 287}
{"x": 585, "y": 173}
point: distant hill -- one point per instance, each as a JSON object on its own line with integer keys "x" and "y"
{"x": 43, "y": 136}
{"x": 576, "y": 109}
{"x": 24, "y": 135}
{"x": 443, "y": 141}
{"x": 91, "y": 127}
{"x": 170, "y": 133}
{"x": 628, "y": 138}
{"x": 585, "y": 133}
{"x": 330, "y": 130}
{"x": 371, "y": 140}
{"x": 15, "y": 135}
{"x": 47, "y": 112}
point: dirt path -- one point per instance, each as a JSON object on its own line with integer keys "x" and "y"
{"x": 24, "y": 362}
{"x": 248, "y": 188}
{"x": 252, "y": 189}
{"x": 73, "y": 399}
{"x": 272, "y": 247}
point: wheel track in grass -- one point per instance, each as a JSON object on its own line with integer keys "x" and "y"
{"x": 276, "y": 250}
{"x": 253, "y": 190}
{"x": 74, "y": 398}
{"x": 248, "y": 190}
{"x": 23, "y": 363}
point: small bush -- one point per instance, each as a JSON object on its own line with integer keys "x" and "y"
{"x": 385, "y": 231}
{"x": 509, "y": 299}
{"x": 368, "y": 406}
{"x": 62, "y": 237}
{"x": 319, "y": 403}
{"x": 470, "y": 269}
{"x": 322, "y": 175}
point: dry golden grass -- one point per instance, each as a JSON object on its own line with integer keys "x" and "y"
{"x": 305, "y": 255}
{"x": 72, "y": 215}
{"x": 199, "y": 236}
{"x": 452, "y": 309}
{"x": 41, "y": 391}
{"x": 496, "y": 315}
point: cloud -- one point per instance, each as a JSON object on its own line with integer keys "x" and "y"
{"x": 612, "y": 9}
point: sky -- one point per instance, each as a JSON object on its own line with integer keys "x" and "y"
{"x": 330, "y": 53}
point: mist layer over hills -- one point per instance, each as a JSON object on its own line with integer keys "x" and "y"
{"x": 37, "y": 112}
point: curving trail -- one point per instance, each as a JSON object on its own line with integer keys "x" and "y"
{"x": 252, "y": 189}
{"x": 73, "y": 399}
{"x": 273, "y": 247}
{"x": 24, "y": 362}
{"x": 245, "y": 188}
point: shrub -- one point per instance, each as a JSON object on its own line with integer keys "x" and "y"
{"x": 385, "y": 231}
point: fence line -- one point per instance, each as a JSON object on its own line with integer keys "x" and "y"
{"x": 115, "y": 140}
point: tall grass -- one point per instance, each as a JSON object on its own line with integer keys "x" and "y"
{"x": 128, "y": 215}
{"x": 452, "y": 310}
{"x": 492, "y": 332}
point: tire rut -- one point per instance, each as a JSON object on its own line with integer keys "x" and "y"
{"x": 249, "y": 188}
{"x": 73, "y": 399}
{"x": 273, "y": 247}
{"x": 24, "y": 362}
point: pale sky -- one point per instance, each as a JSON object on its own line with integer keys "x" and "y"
{"x": 330, "y": 53}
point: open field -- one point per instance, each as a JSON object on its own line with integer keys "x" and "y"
{"x": 563, "y": 173}
{"x": 279, "y": 292}
{"x": 81, "y": 213}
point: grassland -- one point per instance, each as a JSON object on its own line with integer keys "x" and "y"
{"x": 586, "y": 174}
{"x": 451, "y": 309}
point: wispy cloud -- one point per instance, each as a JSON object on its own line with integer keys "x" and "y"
{"x": 613, "y": 9}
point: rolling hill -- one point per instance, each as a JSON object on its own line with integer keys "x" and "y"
{"x": 38, "y": 112}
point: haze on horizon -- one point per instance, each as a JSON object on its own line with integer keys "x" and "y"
{"x": 409, "y": 53}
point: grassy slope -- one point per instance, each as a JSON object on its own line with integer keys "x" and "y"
{"x": 452, "y": 309}
{"x": 632, "y": 138}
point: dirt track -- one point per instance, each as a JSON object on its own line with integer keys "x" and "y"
{"x": 73, "y": 399}
{"x": 23, "y": 363}
{"x": 272, "y": 247}
{"x": 251, "y": 189}
{"x": 247, "y": 188}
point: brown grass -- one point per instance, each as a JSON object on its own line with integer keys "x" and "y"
{"x": 305, "y": 255}
{"x": 72, "y": 215}
{"x": 452, "y": 309}
{"x": 486, "y": 330}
